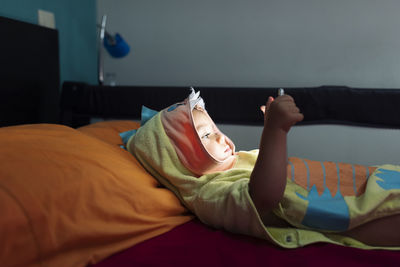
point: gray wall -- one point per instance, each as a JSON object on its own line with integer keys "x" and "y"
{"x": 257, "y": 42}
{"x": 282, "y": 43}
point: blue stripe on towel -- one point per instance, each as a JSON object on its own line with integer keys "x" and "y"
{"x": 292, "y": 170}
{"x": 308, "y": 175}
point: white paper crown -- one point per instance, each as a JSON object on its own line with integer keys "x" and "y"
{"x": 195, "y": 99}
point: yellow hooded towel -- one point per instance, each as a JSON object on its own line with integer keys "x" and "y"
{"x": 321, "y": 199}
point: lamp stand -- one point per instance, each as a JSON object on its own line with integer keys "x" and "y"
{"x": 100, "y": 50}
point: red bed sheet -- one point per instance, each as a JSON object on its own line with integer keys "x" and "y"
{"x": 195, "y": 244}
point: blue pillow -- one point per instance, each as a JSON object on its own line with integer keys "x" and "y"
{"x": 146, "y": 115}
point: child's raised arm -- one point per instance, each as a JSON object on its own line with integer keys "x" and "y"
{"x": 268, "y": 179}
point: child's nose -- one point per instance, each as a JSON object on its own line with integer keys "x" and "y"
{"x": 220, "y": 138}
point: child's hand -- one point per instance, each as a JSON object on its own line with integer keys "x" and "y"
{"x": 281, "y": 112}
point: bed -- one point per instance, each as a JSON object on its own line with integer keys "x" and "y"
{"x": 71, "y": 196}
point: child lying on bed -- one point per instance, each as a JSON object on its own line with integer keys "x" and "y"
{"x": 257, "y": 192}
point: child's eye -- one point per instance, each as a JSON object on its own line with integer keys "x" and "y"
{"x": 206, "y": 135}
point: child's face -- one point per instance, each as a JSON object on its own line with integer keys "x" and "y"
{"x": 213, "y": 140}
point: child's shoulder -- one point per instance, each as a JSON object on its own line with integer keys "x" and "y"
{"x": 247, "y": 153}
{"x": 246, "y": 159}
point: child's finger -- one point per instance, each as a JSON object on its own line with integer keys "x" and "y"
{"x": 263, "y": 108}
{"x": 286, "y": 98}
{"x": 270, "y": 100}
{"x": 298, "y": 117}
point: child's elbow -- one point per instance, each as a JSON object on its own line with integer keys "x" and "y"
{"x": 265, "y": 202}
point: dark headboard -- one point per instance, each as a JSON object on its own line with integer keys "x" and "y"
{"x": 320, "y": 105}
{"x": 29, "y": 73}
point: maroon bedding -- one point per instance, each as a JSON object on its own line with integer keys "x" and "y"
{"x": 195, "y": 244}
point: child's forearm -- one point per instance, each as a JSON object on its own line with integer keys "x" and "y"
{"x": 268, "y": 179}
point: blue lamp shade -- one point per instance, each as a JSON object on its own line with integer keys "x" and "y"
{"x": 116, "y": 46}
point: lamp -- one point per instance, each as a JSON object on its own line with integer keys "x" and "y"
{"x": 114, "y": 45}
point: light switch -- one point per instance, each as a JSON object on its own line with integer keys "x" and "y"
{"x": 46, "y": 19}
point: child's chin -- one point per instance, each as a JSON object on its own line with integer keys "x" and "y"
{"x": 227, "y": 155}
{"x": 228, "y": 152}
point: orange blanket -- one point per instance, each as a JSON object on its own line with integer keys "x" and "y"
{"x": 73, "y": 197}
